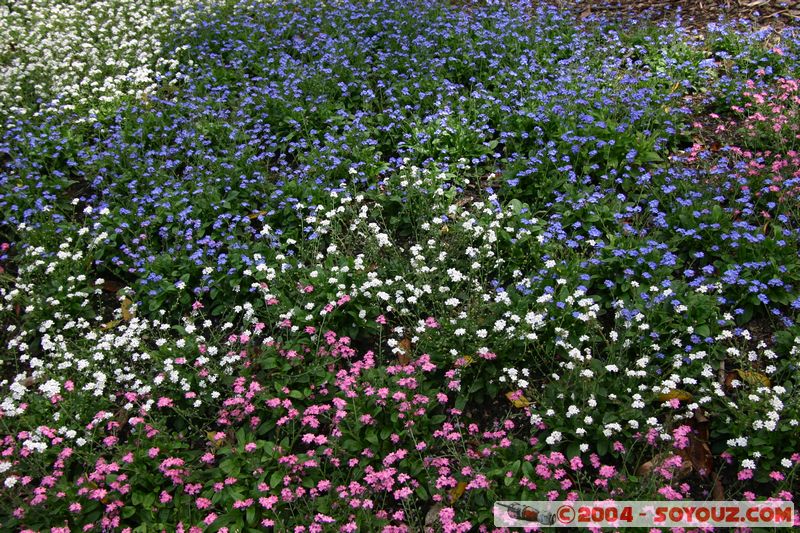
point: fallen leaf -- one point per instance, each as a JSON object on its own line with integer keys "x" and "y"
{"x": 730, "y": 377}
{"x": 717, "y": 491}
{"x": 658, "y": 460}
{"x": 432, "y": 516}
{"x": 698, "y": 452}
{"x": 517, "y": 400}
{"x": 675, "y": 394}
{"x": 756, "y": 379}
{"x": 110, "y": 325}
{"x": 457, "y": 491}
{"x": 127, "y": 314}
{"x": 218, "y": 443}
{"x": 405, "y": 345}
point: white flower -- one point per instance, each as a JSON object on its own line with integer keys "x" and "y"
{"x": 50, "y": 388}
{"x": 554, "y": 438}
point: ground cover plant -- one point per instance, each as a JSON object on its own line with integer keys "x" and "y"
{"x": 376, "y": 265}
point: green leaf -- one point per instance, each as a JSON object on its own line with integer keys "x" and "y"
{"x": 351, "y": 445}
{"x": 372, "y": 438}
{"x": 527, "y": 469}
{"x": 573, "y": 450}
{"x": 461, "y": 401}
{"x": 250, "y": 515}
{"x": 602, "y": 447}
{"x": 148, "y": 500}
{"x": 745, "y": 317}
{"x": 230, "y": 467}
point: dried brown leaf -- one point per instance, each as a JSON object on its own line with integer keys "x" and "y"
{"x": 125, "y": 307}
{"x": 405, "y": 345}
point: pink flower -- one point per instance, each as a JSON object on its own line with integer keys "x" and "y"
{"x": 745, "y": 474}
{"x": 269, "y": 502}
{"x": 607, "y": 471}
{"x": 209, "y": 519}
{"x": 164, "y": 402}
{"x": 670, "y": 493}
{"x": 324, "y": 519}
{"x": 243, "y": 504}
{"x": 480, "y": 482}
{"x": 192, "y": 488}
{"x": 202, "y": 503}
{"x": 165, "y": 497}
{"x": 777, "y": 476}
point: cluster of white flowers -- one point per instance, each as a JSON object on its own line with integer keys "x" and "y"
{"x": 512, "y": 376}
{"x": 74, "y": 347}
{"x": 86, "y": 51}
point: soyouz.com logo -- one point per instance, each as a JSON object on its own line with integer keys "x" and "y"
{"x": 645, "y": 514}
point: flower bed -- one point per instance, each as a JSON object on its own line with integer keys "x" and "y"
{"x": 333, "y": 272}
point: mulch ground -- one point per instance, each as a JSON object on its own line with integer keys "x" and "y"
{"x": 693, "y": 13}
